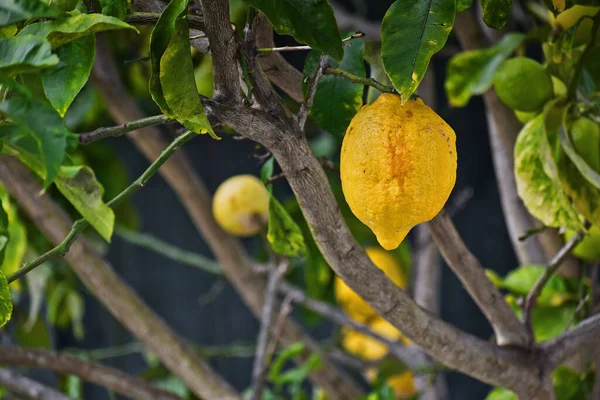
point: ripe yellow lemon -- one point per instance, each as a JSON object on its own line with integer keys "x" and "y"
{"x": 241, "y": 205}
{"x": 403, "y": 385}
{"x": 523, "y": 84}
{"x": 366, "y": 347}
{"x": 353, "y": 304}
{"x": 397, "y": 165}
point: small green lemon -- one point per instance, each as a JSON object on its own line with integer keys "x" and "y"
{"x": 585, "y": 135}
{"x": 523, "y": 84}
{"x": 525, "y": 116}
{"x": 589, "y": 248}
{"x": 241, "y": 205}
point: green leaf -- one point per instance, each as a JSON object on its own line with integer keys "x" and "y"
{"x": 36, "y": 119}
{"x": 23, "y": 54}
{"x": 292, "y": 351}
{"x": 521, "y": 280}
{"x": 472, "y": 72}
{"x": 172, "y": 83}
{"x": 174, "y": 385}
{"x": 12, "y": 11}
{"x": 17, "y": 245}
{"x": 412, "y": 32}
{"x": 6, "y": 306}
{"x": 266, "y": 172}
{"x": 309, "y": 22}
{"x": 496, "y": 12}
{"x": 65, "y": 5}
{"x": 584, "y": 196}
{"x": 501, "y": 394}
{"x": 63, "y": 82}
{"x": 572, "y": 385}
{"x": 115, "y": 8}
{"x": 537, "y": 184}
{"x": 79, "y": 185}
{"x": 76, "y": 307}
{"x": 549, "y": 322}
{"x": 4, "y": 233}
{"x": 68, "y": 28}
{"x": 586, "y": 171}
{"x": 337, "y": 100}
{"x": 463, "y": 5}
{"x": 283, "y": 233}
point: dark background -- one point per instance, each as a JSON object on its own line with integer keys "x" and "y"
{"x": 173, "y": 290}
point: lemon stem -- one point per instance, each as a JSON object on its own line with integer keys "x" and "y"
{"x": 359, "y": 79}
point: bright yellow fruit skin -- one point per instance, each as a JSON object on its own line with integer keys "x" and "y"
{"x": 403, "y": 383}
{"x": 366, "y": 347}
{"x": 353, "y": 304}
{"x": 241, "y": 205}
{"x": 398, "y": 166}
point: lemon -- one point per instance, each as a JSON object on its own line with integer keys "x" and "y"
{"x": 241, "y": 205}
{"x": 523, "y": 84}
{"x": 397, "y": 165}
{"x": 403, "y": 385}
{"x": 352, "y": 303}
{"x": 585, "y": 135}
{"x": 589, "y": 248}
{"x": 366, "y": 347}
{"x": 525, "y": 116}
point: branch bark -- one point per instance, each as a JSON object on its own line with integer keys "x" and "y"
{"x": 185, "y": 182}
{"x": 467, "y": 268}
{"x": 303, "y": 171}
{"x": 224, "y": 48}
{"x": 109, "y": 289}
{"x": 110, "y": 378}
{"x": 567, "y": 344}
{"x": 27, "y": 387}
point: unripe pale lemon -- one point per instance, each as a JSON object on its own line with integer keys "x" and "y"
{"x": 585, "y": 135}
{"x": 523, "y": 84}
{"x": 571, "y": 16}
{"x": 397, "y": 165}
{"x": 589, "y": 248}
{"x": 241, "y": 205}
{"x": 352, "y": 303}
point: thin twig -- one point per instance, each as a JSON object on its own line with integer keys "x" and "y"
{"x": 80, "y": 225}
{"x": 115, "y": 380}
{"x": 538, "y": 286}
{"x": 309, "y": 97}
{"x": 359, "y": 79}
{"x": 355, "y": 35}
{"x": 27, "y": 387}
{"x": 113, "y": 131}
{"x": 259, "y": 369}
{"x": 577, "y": 311}
{"x": 150, "y": 242}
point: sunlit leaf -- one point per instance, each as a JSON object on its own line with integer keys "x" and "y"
{"x": 79, "y": 185}
{"x": 337, "y": 100}
{"x": 63, "y": 82}
{"x": 283, "y": 233}
{"x": 310, "y": 22}
{"x": 6, "y": 306}
{"x": 472, "y": 72}
{"x": 462, "y": 5}
{"x": 412, "y": 32}
{"x": 67, "y": 28}
{"x": 12, "y": 11}
{"x": 539, "y": 188}
{"x": 22, "y": 54}
{"x": 172, "y": 83}
{"x": 17, "y": 243}
{"x": 496, "y": 12}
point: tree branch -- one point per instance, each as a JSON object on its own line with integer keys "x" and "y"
{"x": 538, "y": 286}
{"x": 114, "y": 131}
{"x": 27, "y": 387}
{"x": 179, "y": 173}
{"x": 109, "y": 289}
{"x": 567, "y": 344}
{"x": 223, "y": 46}
{"x": 112, "y": 379}
{"x": 467, "y": 268}
{"x": 150, "y": 18}
{"x": 260, "y": 367}
{"x": 310, "y": 94}
{"x": 452, "y": 347}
